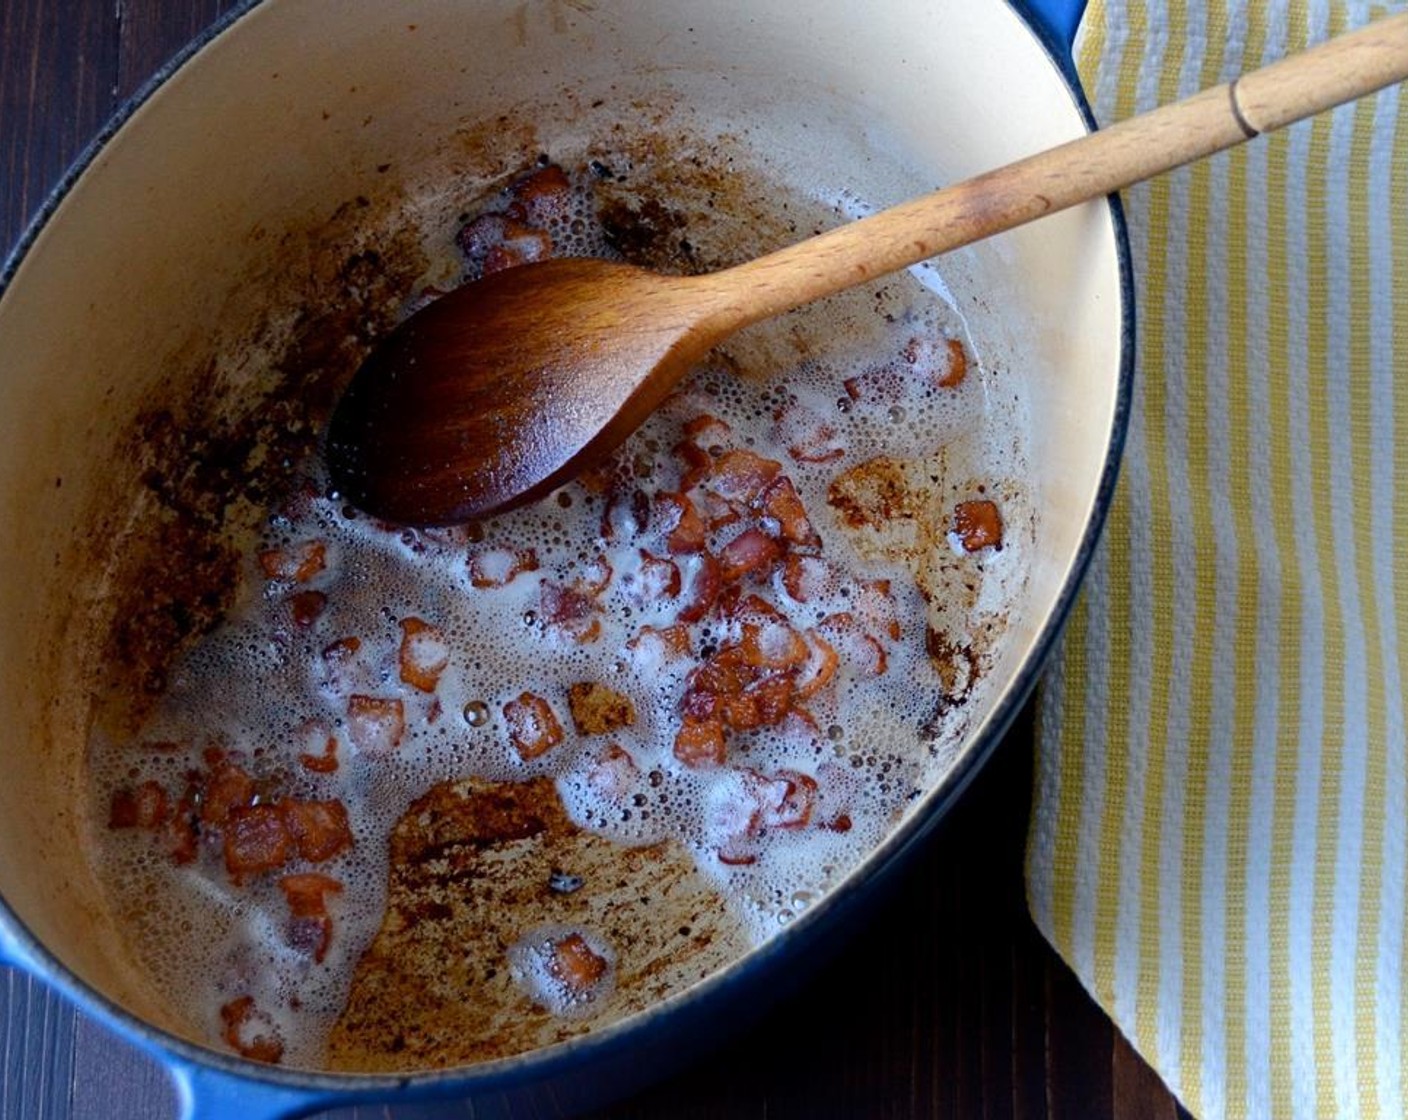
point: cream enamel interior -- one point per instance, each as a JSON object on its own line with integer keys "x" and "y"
{"x": 165, "y": 248}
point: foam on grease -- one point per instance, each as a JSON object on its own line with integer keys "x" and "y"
{"x": 262, "y": 689}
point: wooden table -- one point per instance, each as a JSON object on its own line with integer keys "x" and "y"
{"x": 948, "y": 1005}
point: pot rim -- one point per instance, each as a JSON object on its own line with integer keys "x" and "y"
{"x": 828, "y": 914}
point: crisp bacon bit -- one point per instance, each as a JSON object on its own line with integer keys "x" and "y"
{"x": 752, "y": 552}
{"x": 742, "y": 476}
{"x": 542, "y": 195}
{"x": 685, "y": 531}
{"x": 657, "y": 578}
{"x": 956, "y": 366}
{"x": 325, "y": 763}
{"x": 533, "y": 729}
{"x": 595, "y": 577}
{"x": 782, "y": 505}
{"x": 494, "y": 242}
{"x": 307, "y": 607}
{"x": 700, "y": 743}
{"x": 695, "y": 462}
{"x": 762, "y": 703}
{"x": 249, "y": 1032}
{"x": 772, "y": 646}
{"x": 145, "y": 807}
{"x": 794, "y": 808}
{"x": 256, "y": 839}
{"x": 821, "y": 664}
{"x": 375, "y": 725}
{"x": 625, "y": 515}
{"x": 704, "y": 587}
{"x": 298, "y": 563}
{"x": 570, "y": 612}
{"x": 841, "y": 823}
{"x": 614, "y": 772}
{"x": 883, "y": 385}
{"x": 978, "y": 525}
{"x": 319, "y": 829}
{"x": 424, "y": 654}
{"x": 877, "y": 610}
{"x": 861, "y": 650}
{"x": 498, "y": 567}
{"x": 655, "y": 645}
{"x": 808, "y": 437}
{"x": 755, "y": 610}
{"x": 806, "y": 577}
{"x": 310, "y": 924}
{"x": 743, "y": 695}
{"x": 227, "y": 788}
{"x": 575, "y": 965}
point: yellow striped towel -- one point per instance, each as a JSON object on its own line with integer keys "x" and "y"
{"x": 1218, "y": 837}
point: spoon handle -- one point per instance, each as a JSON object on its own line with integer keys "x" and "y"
{"x": 1340, "y": 70}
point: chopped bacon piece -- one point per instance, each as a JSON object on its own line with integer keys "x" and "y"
{"x": 249, "y": 1032}
{"x": 614, "y": 772}
{"x": 978, "y": 525}
{"x": 700, "y": 743}
{"x": 882, "y": 385}
{"x": 656, "y": 579}
{"x": 307, "y": 607}
{"x": 820, "y": 667}
{"x": 805, "y": 578}
{"x": 542, "y": 195}
{"x": 575, "y": 965}
{"x": 755, "y": 610}
{"x": 319, "y": 829}
{"x": 782, "y": 505}
{"x": 375, "y": 724}
{"x": 704, "y": 586}
{"x": 498, "y": 567}
{"x": 876, "y": 608}
{"x": 861, "y": 650}
{"x": 298, "y": 563}
{"x": 709, "y": 433}
{"x": 655, "y": 645}
{"x": 569, "y": 611}
{"x": 533, "y": 729}
{"x": 256, "y": 839}
{"x": 325, "y": 763}
{"x": 762, "y": 703}
{"x": 955, "y": 366}
{"x": 742, "y": 476}
{"x": 310, "y": 924}
{"x": 773, "y": 645}
{"x": 595, "y": 577}
{"x": 494, "y": 242}
{"x": 794, "y": 808}
{"x": 341, "y": 651}
{"x": 685, "y": 531}
{"x": 143, "y": 807}
{"x": 752, "y": 552}
{"x": 695, "y": 461}
{"x": 625, "y": 515}
{"x": 808, "y": 436}
{"x": 424, "y": 654}
{"x": 227, "y": 788}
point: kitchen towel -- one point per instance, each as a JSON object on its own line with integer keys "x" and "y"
{"x": 1218, "y": 844}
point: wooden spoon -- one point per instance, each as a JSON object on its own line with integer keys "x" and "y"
{"x": 506, "y": 388}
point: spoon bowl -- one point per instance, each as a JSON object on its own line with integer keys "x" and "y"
{"x": 503, "y": 390}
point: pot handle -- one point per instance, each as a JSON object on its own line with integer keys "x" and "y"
{"x": 1056, "y": 21}
{"x": 211, "y": 1094}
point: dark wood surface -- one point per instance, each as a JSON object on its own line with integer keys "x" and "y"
{"x": 948, "y": 1003}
